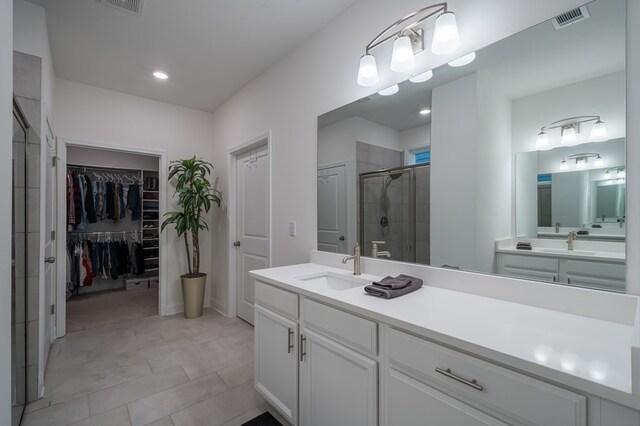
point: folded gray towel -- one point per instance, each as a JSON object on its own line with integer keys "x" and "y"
{"x": 389, "y": 293}
{"x": 393, "y": 283}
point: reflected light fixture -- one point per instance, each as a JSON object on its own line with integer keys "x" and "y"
{"x": 408, "y": 39}
{"x": 425, "y": 111}
{"x": 582, "y": 160}
{"x": 564, "y": 165}
{"x": 542, "y": 140}
{"x": 570, "y": 129}
{"x": 463, "y": 60}
{"x": 598, "y": 162}
{"x": 391, "y": 90}
{"x": 421, "y": 78}
{"x": 160, "y": 75}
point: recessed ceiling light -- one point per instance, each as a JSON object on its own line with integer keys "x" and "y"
{"x": 161, "y": 75}
{"x": 425, "y": 111}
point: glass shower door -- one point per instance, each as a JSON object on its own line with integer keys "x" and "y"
{"x": 18, "y": 270}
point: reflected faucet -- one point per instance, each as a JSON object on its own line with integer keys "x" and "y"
{"x": 570, "y": 239}
{"x": 621, "y": 221}
{"x": 374, "y": 250}
{"x": 355, "y": 258}
{"x": 557, "y": 227}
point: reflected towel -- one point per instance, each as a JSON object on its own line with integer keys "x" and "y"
{"x": 401, "y": 281}
{"x": 389, "y": 293}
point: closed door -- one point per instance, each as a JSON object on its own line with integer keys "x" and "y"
{"x": 412, "y": 403}
{"x": 332, "y": 209}
{"x": 252, "y": 238}
{"x": 338, "y": 385}
{"x": 276, "y": 369}
{"x": 50, "y": 260}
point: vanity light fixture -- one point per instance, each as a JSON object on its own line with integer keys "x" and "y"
{"x": 570, "y": 129}
{"x": 391, "y": 90}
{"x": 582, "y": 160}
{"x": 564, "y": 165}
{"x": 421, "y": 78}
{"x": 598, "y": 162}
{"x": 160, "y": 75}
{"x": 620, "y": 173}
{"x": 425, "y": 111}
{"x": 408, "y": 39}
{"x": 463, "y": 60}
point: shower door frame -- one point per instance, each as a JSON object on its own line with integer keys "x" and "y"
{"x": 411, "y": 169}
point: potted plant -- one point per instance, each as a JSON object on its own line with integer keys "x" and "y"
{"x": 195, "y": 197}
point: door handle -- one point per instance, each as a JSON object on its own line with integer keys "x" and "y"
{"x": 341, "y": 238}
{"x": 50, "y": 259}
{"x": 302, "y": 352}
{"x": 236, "y": 243}
{"x": 290, "y": 341}
{"x": 447, "y": 372}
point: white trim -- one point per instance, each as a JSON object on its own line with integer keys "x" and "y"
{"x": 232, "y": 156}
{"x": 61, "y": 231}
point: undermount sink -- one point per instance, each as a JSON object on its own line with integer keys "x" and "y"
{"x": 565, "y": 251}
{"x": 335, "y": 281}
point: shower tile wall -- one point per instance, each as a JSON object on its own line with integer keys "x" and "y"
{"x": 371, "y": 158}
{"x": 27, "y": 89}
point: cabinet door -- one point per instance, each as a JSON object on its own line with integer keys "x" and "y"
{"x": 276, "y": 361}
{"x": 528, "y": 267}
{"x": 409, "y": 403}
{"x": 598, "y": 275}
{"x": 338, "y": 386}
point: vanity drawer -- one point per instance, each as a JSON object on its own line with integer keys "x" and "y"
{"x": 519, "y": 397}
{"x": 276, "y": 299}
{"x": 530, "y": 262}
{"x": 353, "y": 331}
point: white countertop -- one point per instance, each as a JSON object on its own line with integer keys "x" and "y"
{"x": 603, "y": 251}
{"x": 555, "y": 345}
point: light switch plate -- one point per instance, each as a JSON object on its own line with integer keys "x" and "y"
{"x": 292, "y": 229}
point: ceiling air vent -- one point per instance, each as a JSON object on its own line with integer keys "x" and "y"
{"x": 131, "y": 6}
{"x": 571, "y": 17}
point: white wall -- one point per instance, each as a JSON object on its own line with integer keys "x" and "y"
{"x": 416, "y": 137}
{"x": 104, "y": 158}
{"x": 320, "y": 76}
{"x": 604, "y": 96}
{"x": 90, "y": 114}
{"x": 6, "y": 132}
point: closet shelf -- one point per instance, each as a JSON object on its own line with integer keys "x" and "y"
{"x": 151, "y": 258}
{"x": 150, "y": 248}
{"x": 152, "y": 269}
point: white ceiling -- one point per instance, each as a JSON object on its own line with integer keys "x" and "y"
{"x": 532, "y": 61}
{"x": 210, "y": 48}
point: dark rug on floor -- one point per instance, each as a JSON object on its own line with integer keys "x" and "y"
{"x": 264, "y": 419}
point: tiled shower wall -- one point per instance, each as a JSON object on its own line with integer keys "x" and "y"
{"x": 27, "y": 89}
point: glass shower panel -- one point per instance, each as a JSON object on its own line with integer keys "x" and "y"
{"x": 18, "y": 272}
{"x": 423, "y": 215}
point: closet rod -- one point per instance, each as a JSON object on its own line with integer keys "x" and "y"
{"x": 84, "y": 166}
{"x": 103, "y": 232}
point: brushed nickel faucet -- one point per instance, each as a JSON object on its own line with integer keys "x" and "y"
{"x": 374, "y": 250}
{"x": 355, "y": 258}
{"x": 557, "y": 227}
{"x": 570, "y": 239}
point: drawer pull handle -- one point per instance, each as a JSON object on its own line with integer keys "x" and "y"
{"x": 447, "y": 372}
{"x": 290, "y": 341}
{"x": 302, "y": 352}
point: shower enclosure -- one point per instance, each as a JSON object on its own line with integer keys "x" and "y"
{"x": 394, "y": 212}
{"x": 19, "y": 314}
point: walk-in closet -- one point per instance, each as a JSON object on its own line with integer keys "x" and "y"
{"x": 112, "y": 239}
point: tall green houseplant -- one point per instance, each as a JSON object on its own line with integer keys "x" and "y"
{"x": 195, "y": 197}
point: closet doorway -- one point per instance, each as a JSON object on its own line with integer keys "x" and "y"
{"x": 112, "y": 200}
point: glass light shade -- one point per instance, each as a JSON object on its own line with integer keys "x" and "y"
{"x": 391, "y": 90}
{"x": 368, "y": 72}
{"x": 402, "y": 57}
{"x": 569, "y": 135}
{"x": 446, "y": 38}
{"x": 598, "y": 131}
{"x": 542, "y": 140}
{"x": 463, "y": 60}
{"x": 581, "y": 163}
{"x": 421, "y": 78}
{"x": 599, "y": 161}
{"x": 622, "y": 173}
{"x": 564, "y": 165}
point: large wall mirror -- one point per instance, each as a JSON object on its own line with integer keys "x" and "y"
{"x": 513, "y": 164}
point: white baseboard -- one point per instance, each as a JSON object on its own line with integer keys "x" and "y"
{"x": 218, "y": 307}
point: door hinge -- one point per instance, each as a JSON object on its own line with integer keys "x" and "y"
{"x": 53, "y": 309}
{"x": 53, "y": 235}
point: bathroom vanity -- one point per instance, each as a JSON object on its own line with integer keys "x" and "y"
{"x": 461, "y": 349}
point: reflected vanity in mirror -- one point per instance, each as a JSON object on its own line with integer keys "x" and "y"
{"x": 455, "y": 168}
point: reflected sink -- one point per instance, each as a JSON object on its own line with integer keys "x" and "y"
{"x": 564, "y": 251}
{"x": 335, "y": 281}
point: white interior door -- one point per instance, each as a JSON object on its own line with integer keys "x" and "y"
{"x": 50, "y": 252}
{"x": 252, "y": 238}
{"x": 332, "y": 209}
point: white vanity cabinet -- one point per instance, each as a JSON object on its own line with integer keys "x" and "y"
{"x": 582, "y": 273}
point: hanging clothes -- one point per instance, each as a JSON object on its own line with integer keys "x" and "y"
{"x": 89, "y": 202}
{"x": 77, "y": 206}
{"x": 71, "y": 210}
{"x": 134, "y": 201}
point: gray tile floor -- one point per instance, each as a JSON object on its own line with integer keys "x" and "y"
{"x": 155, "y": 370}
